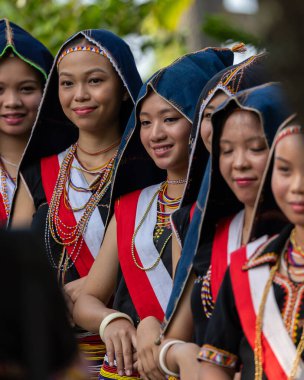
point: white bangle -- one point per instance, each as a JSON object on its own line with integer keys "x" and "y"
{"x": 162, "y": 357}
{"x": 109, "y": 318}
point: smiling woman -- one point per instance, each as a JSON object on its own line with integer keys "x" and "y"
{"x": 69, "y": 162}
{"x": 24, "y": 65}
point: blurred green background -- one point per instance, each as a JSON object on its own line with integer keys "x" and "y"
{"x": 157, "y": 30}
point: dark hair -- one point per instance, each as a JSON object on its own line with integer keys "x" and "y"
{"x": 7, "y": 55}
{"x": 35, "y": 334}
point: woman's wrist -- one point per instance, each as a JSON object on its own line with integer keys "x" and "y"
{"x": 166, "y": 361}
{"x": 110, "y": 318}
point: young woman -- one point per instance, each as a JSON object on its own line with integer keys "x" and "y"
{"x": 137, "y": 241}
{"x": 260, "y": 305}
{"x": 24, "y": 66}
{"x": 243, "y": 129}
{"x": 68, "y": 164}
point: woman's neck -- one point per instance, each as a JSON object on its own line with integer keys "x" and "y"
{"x": 12, "y": 148}
{"x": 95, "y": 142}
{"x": 176, "y": 190}
{"x": 247, "y": 223}
{"x": 299, "y": 235}
{"x": 95, "y": 150}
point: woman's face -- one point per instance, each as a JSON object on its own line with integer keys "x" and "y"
{"x": 90, "y": 90}
{"x": 20, "y": 95}
{"x": 288, "y": 177}
{"x": 206, "y": 126}
{"x": 165, "y": 133}
{"x": 243, "y": 155}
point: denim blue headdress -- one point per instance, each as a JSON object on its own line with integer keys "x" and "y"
{"x": 268, "y": 217}
{"x": 215, "y": 199}
{"x": 231, "y": 80}
{"x": 180, "y": 84}
{"x": 53, "y": 132}
{"x": 14, "y": 40}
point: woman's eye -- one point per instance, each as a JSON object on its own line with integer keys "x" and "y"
{"x": 207, "y": 115}
{"x": 144, "y": 123}
{"x": 284, "y": 169}
{"x": 66, "y": 83}
{"x": 28, "y": 89}
{"x": 226, "y": 151}
{"x": 170, "y": 119}
{"x": 95, "y": 80}
{"x": 258, "y": 149}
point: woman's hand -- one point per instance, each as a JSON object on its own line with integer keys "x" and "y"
{"x": 120, "y": 340}
{"x": 73, "y": 288}
{"x": 147, "y": 331}
{"x": 184, "y": 356}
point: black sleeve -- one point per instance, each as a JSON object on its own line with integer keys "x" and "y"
{"x": 33, "y": 180}
{"x": 181, "y": 221}
{"x": 224, "y": 332}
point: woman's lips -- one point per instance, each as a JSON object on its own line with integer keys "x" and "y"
{"x": 162, "y": 150}
{"x": 244, "y": 182}
{"x": 83, "y": 111}
{"x": 13, "y": 119}
{"x": 298, "y": 207}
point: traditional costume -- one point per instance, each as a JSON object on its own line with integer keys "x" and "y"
{"x": 71, "y": 215}
{"x": 248, "y": 73}
{"x": 260, "y": 309}
{"x": 143, "y": 226}
{"x": 222, "y": 219}
{"x": 14, "y": 41}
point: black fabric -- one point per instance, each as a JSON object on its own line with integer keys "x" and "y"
{"x": 225, "y": 330}
{"x": 35, "y": 334}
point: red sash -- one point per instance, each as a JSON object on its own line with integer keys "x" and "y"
{"x": 139, "y": 286}
{"x": 219, "y": 261}
{"x": 3, "y": 217}
{"x": 242, "y": 290}
{"x": 49, "y": 174}
{"x": 192, "y": 210}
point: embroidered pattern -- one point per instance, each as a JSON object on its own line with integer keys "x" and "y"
{"x": 93, "y": 49}
{"x": 267, "y": 258}
{"x": 216, "y": 356}
{"x": 291, "y": 311}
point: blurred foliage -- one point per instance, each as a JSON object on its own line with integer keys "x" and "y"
{"x": 217, "y": 26}
{"x": 156, "y": 24}
{"x": 53, "y": 21}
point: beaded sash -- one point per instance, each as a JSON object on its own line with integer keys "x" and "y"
{"x": 7, "y": 189}
{"x": 94, "y": 231}
{"x": 149, "y": 290}
{"x": 248, "y": 286}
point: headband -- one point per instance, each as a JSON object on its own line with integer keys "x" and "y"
{"x": 292, "y": 130}
{"x": 93, "y": 49}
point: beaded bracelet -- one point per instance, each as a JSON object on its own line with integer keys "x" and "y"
{"x": 162, "y": 357}
{"x": 111, "y": 317}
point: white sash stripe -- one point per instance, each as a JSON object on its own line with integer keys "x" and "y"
{"x": 94, "y": 233}
{"x": 159, "y": 277}
{"x": 235, "y": 234}
{"x": 273, "y": 326}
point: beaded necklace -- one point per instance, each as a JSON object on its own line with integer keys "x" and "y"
{"x": 163, "y": 216}
{"x": 5, "y": 177}
{"x": 258, "y": 348}
{"x": 71, "y": 235}
{"x": 163, "y": 221}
